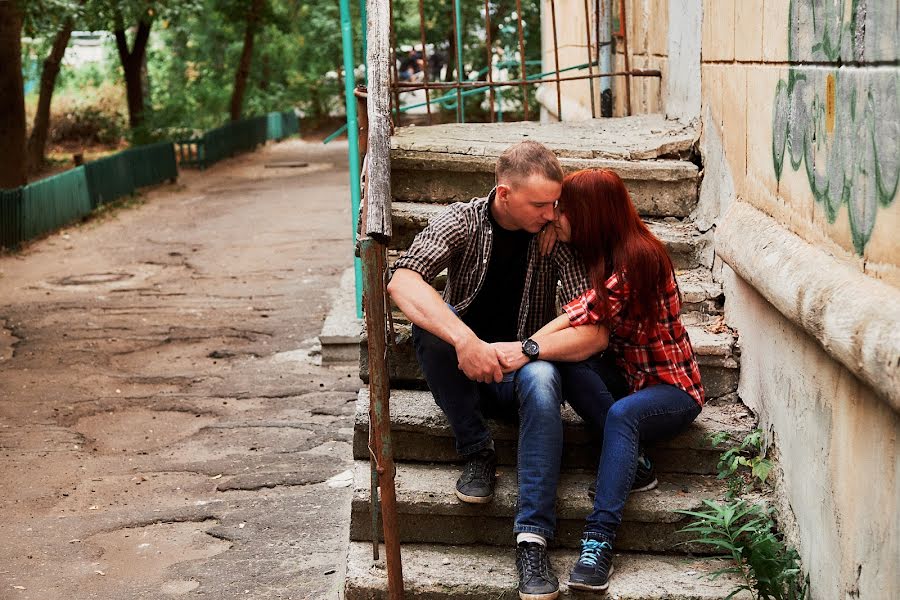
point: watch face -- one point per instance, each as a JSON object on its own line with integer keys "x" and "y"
{"x": 530, "y": 348}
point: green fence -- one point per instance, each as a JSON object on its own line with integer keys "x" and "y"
{"x": 53, "y": 202}
{"x": 235, "y": 137}
{"x": 44, "y": 205}
{"x": 152, "y": 164}
{"x": 50, "y": 203}
{"x": 109, "y": 178}
{"x": 10, "y": 222}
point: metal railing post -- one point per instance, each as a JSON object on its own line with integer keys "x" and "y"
{"x": 375, "y": 233}
{"x": 352, "y": 138}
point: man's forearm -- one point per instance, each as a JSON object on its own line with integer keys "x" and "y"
{"x": 424, "y": 307}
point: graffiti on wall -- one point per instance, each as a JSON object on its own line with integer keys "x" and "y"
{"x": 842, "y": 123}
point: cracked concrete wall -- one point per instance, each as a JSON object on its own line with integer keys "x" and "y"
{"x": 801, "y": 120}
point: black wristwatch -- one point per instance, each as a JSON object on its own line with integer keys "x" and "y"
{"x": 531, "y": 349}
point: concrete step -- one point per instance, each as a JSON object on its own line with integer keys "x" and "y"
{"x": 715, "y": 352}
{"x": 700, "y": 293}
{"x": 687, "y": 247}
{"x": 420, "y": 432}
{"x": 429, "y": 512}
{"x": 640, "y": 137}
{"x": 658, "y": 188}
{"x": 437, "y": 572}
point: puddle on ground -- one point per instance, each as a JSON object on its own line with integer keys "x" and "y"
{"x": 92, "y": 279}
{"x": 140, "y": 430}
{"x": 142, "y": 554}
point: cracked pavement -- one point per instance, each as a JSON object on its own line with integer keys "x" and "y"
{"x": 166, "y": 428}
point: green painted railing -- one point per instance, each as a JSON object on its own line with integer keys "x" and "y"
{"x": 10, "y": 220}
{"x": 50, "y": 203}
{"x": 235, "y": 137}
{"x": 53, "y": 202}
{"x": 109, "y": 178}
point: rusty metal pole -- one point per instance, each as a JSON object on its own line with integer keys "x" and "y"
{"x": 375, "y": 505}
{"x": 556, "y": 61}
{"x": 522, "y": 57}
{"x": 376, "y": 232}
{"x": 623, "y": 34}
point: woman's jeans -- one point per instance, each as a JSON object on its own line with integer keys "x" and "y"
{"x": 535, "y": 394}
{"x": 648, "y": 415}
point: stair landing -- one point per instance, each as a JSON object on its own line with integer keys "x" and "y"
{"x": 640, "y": 137}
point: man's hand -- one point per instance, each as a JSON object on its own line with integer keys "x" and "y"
{"x": 478, "y": 361}
{"x": 510, "y": 355}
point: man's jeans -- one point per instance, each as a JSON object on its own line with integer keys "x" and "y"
{"x": 535, "y": 394}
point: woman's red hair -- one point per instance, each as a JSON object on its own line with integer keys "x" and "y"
{"x": 612, "y": 238}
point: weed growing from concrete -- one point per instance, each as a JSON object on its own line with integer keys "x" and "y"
{"x": 745, "y": 531}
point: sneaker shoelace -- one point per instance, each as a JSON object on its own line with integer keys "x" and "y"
{"x": 476, "y": 469}
{"x": 534, "y": 563}
{"x": 590, "y": 551}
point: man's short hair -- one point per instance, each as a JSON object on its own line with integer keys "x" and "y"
{"x": 527, "y": 158}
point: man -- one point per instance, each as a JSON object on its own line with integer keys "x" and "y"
{"x": 501, "y": 289}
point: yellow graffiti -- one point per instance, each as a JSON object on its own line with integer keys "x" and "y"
{"x": 829, "y": 103}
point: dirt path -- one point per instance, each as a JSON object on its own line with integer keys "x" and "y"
{"x": 165, "y": 428}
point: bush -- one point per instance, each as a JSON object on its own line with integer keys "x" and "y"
{"x": 99, "y": 120}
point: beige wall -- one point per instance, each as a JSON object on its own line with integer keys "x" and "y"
{"x": 838, "y": 446}
{"x": 816, "y": 147}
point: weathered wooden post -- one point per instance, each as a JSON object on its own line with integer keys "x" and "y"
{"x": 375, "y": 234}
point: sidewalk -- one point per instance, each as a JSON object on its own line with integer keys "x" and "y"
{"x": 166, "y": 428}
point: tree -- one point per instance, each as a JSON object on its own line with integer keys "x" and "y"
{"x": 133, "y": 63}
{"x": 37, "y": 142}
{"x": 12, "y": 100}
{"x": 243, "y": 70}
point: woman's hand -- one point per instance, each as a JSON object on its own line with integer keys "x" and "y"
{"x": 547, "y": 238}
{"x": 510, "y": 355}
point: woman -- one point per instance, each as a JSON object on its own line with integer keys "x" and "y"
{"x": 636, "y": 297}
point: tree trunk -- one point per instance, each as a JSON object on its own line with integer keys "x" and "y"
{"x": 38, "y": 141}
{"x": 12, "y": 99}
{"x": 243, "y": 70}
{"x": 132, "y": 65}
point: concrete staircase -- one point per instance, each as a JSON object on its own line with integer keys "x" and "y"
{"x": 453, "y": 550}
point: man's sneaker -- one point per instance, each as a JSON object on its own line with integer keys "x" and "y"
{"x": 594, "y": 566}
{"x": 536, "y": 578}
{"x": 644, "y": 478}
{"x": 476, "y": 483}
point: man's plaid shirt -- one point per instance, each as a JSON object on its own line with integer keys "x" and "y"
{"x": 459, "y": 240}
{"x": 649, "y": 354}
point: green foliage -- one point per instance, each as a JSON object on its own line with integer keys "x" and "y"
{"x": 745, "y": 461}
{"x": 745, "y": 533}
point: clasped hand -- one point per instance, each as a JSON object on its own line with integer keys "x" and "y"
{"x": 486, "y": 363}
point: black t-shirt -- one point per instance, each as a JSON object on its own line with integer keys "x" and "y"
{"x": 494, "y": 314}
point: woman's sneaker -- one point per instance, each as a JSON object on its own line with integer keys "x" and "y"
{"x": 594, "y": 566}
{"x": 476, "y": 483}
{"x": 536, "y": 578}
{"x": 644, "y": 478}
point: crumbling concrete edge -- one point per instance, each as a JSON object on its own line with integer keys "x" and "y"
{"x": 854, "y": 317}
{"x": 342, "y": 330}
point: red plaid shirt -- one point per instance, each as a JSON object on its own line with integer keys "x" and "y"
{"x": 648, "y": 354}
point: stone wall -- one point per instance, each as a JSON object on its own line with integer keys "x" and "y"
{"x": 800, "y": 118}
